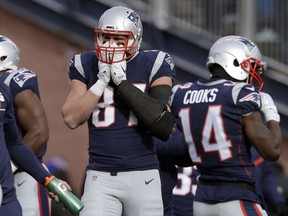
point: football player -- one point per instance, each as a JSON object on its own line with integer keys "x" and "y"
{"x": 120, "y": 92}
{"x": 32, "y": 123}
{"x": 12, "y": 147}
{"x": 220, "y": 120}
{"x": 184, "y": 192}
{"x": 173, "y": 155}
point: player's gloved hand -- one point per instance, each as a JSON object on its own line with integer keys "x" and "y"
{"x": 104, "y": 72}
{"x": 268, "y": 108}
{"x": 118, "y": 70}
{"x": 103, "y": 75}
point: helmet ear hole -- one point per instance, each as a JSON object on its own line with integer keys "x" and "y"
{"x": 236, "y": 63}
{"x": 2, "y": 58}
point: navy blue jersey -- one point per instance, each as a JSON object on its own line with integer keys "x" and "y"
{"x": 18, "y": 80}
{"x": 6, "y": 117}
{"x": 209, "y": 114}
{"x": 116, "y": 142}
{"x": 184, "y": 192}
{"x": 170, "y": 153}
{"x": 11, "y": 145}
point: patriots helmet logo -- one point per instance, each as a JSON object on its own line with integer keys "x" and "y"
{"x": 250, "y": 45}
{"x": 134, "y": 17}
{"x": 247, "y": 42}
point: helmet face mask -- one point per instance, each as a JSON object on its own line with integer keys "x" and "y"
{"x": 106, "y": 51}
{"x": 240, "y": 58}
{"x": 9, "y": 54}
{"x": 120, "y": 31}
{"x": 255, "y": 69}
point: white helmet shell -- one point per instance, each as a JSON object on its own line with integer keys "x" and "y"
{"x": 119, "y": 20}
{"x": 230, "y": 51}
{"x": 9, "y": 54}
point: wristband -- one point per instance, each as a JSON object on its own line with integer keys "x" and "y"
{"x": 98, "y": 87}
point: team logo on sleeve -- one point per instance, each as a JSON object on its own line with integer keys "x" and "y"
{"x": 22, "y": 77}
{"x": 169, "y": 60}
{"x": 254, "y": 97}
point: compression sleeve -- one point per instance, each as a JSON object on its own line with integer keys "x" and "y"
{"x": 161, "y": 93}
{"x": 22, "y": 155}
{"x": 151, "y": 113}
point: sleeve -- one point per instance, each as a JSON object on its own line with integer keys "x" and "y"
{"x": 76, "y": 68}
{"x": 162, "y": 65}
{"x": 246, "y": 98}
{"x": 24, "y": 80}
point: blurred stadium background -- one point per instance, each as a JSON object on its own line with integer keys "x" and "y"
{"x": 50, "y": 32}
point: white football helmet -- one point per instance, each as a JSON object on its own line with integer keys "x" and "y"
{"x": 118, "y": 21}
{"x": 239, "y": 57}
{"x": 9, "y": 53}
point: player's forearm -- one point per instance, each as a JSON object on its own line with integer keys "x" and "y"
{"x": 267, "y": 146}
{"x": 261, "y": 137}
{"x": 76, "y": 112}
{"x": 36, "y": 139}
{"x": 276, "y": 135}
